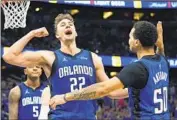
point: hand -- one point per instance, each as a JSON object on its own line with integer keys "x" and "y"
{"x": 41, "y": 32}
{"x": 57, "y": 100}
{"x": 159, "y": 42}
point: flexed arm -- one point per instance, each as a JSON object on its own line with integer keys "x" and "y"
{"x": 15, "y": 54}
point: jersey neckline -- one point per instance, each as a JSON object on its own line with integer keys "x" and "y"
{"x": 81, "y": 50}
{"x": 32, "y": 88}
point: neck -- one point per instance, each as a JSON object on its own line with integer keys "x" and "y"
{"x": 32, "y": 84}
{"x": 69, "y": 48}
{"x": 144, "y": 52}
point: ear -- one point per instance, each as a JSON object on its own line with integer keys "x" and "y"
{"x": 76, "y": 33}
{"x": 57, "y": 36}
{"x": 25, "y": 71}
{"x": 137, "y": 42}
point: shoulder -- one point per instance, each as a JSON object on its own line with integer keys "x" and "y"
{"x": 96, "y": 60}
{"x": 95, "y": 57}
{"x": 48, "y": 56}
{"x": 15, "y": 93}
{"x": 136, "y": 69}
{"x": 135, "y": 66}
{"x": 15, "y": 90}
{"x": 134, "y": 75}
{"x": 46, "y": 89}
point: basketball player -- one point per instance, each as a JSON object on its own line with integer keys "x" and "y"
{"x": 147, "y": 79}
{"x": 69, "y": 68}
{"x": 25, "y": 99}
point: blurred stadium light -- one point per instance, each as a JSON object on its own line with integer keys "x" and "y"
{"x": 37, "y": 9}
{"x": 138, "y": 16}
{"x": 74, "y": 11}
{"x": 106, "y": 15}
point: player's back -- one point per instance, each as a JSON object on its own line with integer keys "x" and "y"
{"x": 70, "y": 73}
{"x": 30, "y": 102}
{"x": 151, "y": 102}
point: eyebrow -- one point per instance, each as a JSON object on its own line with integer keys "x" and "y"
{"x": 65, "y": 22}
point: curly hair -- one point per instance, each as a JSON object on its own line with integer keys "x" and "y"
{"x": 146, "y": 32}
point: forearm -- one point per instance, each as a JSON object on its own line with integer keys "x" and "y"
{"x": 18, "y": 46}
{"x": 119, "y": 94}
{"x": 92, "y": 92}
{"x": 95, "y": 91}
{"x": 13, "y": 115}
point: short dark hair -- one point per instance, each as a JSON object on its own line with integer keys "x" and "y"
{"x": 146, "y": 32}
{"x": 60, "y": 17}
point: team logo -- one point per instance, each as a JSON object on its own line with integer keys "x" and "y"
{"x": 83, "y": 58}
{"x": 64, "y": 59}
{"x": 26, "y": 92}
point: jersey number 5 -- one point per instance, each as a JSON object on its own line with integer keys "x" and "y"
{"x": 77, "y": 83}
{"x": 35, "y": 111}
{"x": 163, "y": 93}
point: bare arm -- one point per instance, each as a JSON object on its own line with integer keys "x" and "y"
{"x": 159, "y": 43}
{"x": 101, "y": 76}
{"x": 96, "y": 90}
{"x": 16, "y": 56}
{"x": 100, "y": 72}
{"x": 119, "y": 94}
{"x": 45, "y": 98}
{"x": 14, "y": 97}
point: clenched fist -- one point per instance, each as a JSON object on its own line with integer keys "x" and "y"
{"x": 41, "y": 32}
{"x": 57, "y": 100}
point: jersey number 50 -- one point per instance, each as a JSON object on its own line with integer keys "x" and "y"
{"x": 163, "y": 93}
{"x": 77, "y": 83}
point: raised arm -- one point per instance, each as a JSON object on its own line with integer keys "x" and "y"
{"x": 159, "y": 43}
{"x": 14, "y": 97}
{"x": 16, "y": 56}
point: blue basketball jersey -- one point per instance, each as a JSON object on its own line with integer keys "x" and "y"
{"x": 70, "y": 73}
{"x": 30, "y": 102}
{"x": 151, "y": 102}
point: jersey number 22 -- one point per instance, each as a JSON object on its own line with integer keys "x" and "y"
{"x": 77, "y": 83}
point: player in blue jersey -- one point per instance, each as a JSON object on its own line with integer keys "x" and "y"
{"x": 147, "y": 79}
{"x": 68, "y": 68}
{"x": 25, "y": 99}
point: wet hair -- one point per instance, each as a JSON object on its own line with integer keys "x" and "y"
{"x": 146, "y": 33}
{"x": 60, "y": 17}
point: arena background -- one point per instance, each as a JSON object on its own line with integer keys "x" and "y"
{"x": 103, "y": 27}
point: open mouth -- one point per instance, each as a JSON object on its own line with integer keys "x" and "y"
{"x": 68, "y": 32}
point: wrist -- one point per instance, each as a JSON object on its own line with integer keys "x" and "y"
{"x": 32, "y": 33}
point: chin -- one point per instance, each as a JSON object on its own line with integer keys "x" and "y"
{"x": 35, "y": 76}
{"x": 132, "y": 50}
{"x": 69, "y": 39}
